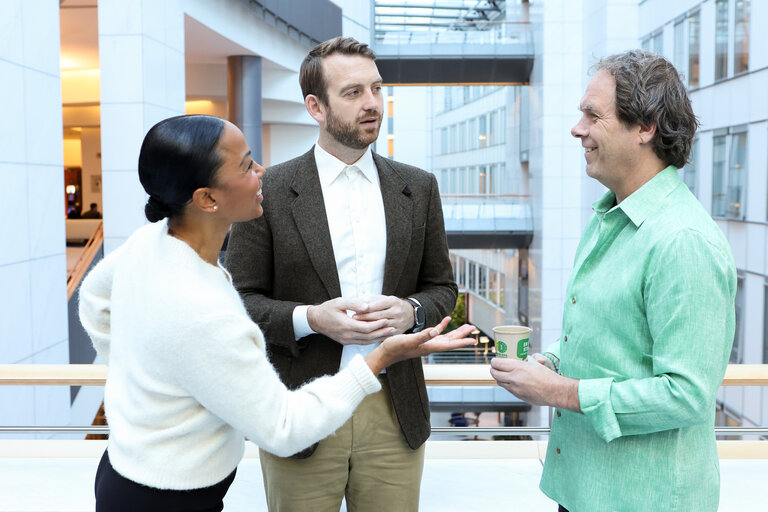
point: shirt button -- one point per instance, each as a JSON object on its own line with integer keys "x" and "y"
{"x": 558, "y": 451}
{"x": 573, "y": 300}
{"x": 565, "y": 338}
{"x": 558, "y": 415}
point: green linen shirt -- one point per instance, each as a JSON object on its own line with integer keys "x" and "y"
{"x": 647, "y": 329}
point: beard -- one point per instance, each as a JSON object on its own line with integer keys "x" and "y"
{"x": 352, "y": 135}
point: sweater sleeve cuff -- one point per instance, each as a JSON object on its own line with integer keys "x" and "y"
{"x": 595, "y": 401}
{"x": 363, "y": 375}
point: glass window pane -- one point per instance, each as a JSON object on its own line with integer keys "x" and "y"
{"x": 501, "y": 135}
{"x": 718, "y": 176}
{"x": 463, "y": 136}
{"x": 680, "y": 46}
{"x": 737, "y": 354}
{"x": 694, "y": 44}
{"x": 689, "y": 171}
{"x": 472, "y": 133}
{"x": 721, "y": 39}
{"x": 741, "y": 37}
{"x": 765, "y": 323}
{"x": 737, "y": 176}
{"x": 482, "y": 136}
{"x": 658, "y": 43}
{"x": 444, "y": 140}
{"x": 493, "y": 116}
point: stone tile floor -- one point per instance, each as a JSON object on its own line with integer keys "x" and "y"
{"x": 452, "y": 482}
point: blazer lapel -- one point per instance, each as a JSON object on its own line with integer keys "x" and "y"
{"x": 398, "y": 210}
{"x": 312, "y": 222}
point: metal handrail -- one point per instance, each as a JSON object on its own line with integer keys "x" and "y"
{"x": 435, "y": 430}
{"x": 434, "y": 374}
{"x": 85, "y": 259}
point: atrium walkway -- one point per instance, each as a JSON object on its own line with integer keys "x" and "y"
{"x": 43, "y": 476}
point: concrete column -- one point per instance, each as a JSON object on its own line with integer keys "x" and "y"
{"x": 141, "y": 56}
{"x": 33, "y": 303}
{"x": 244, "y": 99}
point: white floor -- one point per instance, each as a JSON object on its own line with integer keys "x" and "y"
{"x": 65, "y": 484}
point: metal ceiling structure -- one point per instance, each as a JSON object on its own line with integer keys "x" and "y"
{"x": 453, "y": 41}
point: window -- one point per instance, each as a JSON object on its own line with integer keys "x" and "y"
{"x": 444, "y": 139}
{"x": 501, "y": 132}
{"x": 501, "y": 183}
{"x": 721, "y": 39}
{"x": 729, "y": 174}
{"x": 688, "y": 173}
{"x": 483, "y": 281}
{"x": 741, "y": 37}
{"x": 492, "y": 120}
{"x": 679, "y": 58}
{"x": 694, "y": 48}
{"x": 490, "y": 179}
{"x": 718, "y": 176}
{"x": 461, "y": 181}
{"x": 452, "y": 140}
{"x": 765, "y": 322}
{"x": 482, "y": 136}
{"x": 657, "y": 42}
{"x": 463, "y": 136}
{"x": 482, "y": 179}
{"x": 473, "y": 133}
{"x": 737, "y": 176}
{"x": 472, "y": 276}
{"x": 493, "y": 286}
{"x": 737, "y": 352}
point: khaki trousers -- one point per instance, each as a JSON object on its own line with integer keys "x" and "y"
{"x": 367, "y": 461}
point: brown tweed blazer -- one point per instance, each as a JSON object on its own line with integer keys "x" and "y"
{"x": 285, "y": 258}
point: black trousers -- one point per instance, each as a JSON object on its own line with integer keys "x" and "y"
{"x": 115, "y": 493}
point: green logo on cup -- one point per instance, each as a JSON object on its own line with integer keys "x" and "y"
{"x": 501, "y": 347}
{"x": 522, "y": 348}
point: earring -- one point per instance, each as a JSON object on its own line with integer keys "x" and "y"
{"x": 215, "y": 207}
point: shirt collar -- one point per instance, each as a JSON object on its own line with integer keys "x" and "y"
{"x": 329, "y": 167}
{"x": 643, "y": 201}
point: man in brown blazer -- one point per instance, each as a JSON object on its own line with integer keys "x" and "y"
{"x": 351, "y": 249}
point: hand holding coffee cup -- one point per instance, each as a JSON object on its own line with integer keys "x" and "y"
{"x": 512, "y": 341}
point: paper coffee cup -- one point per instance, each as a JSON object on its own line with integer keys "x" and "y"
{"x": 511, "y": 341}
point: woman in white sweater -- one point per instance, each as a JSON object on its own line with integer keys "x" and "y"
{"x": 188, "y": 377}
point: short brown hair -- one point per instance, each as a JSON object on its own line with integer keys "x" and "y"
{"x": 649, "y": 91}
{"x": 311, "y": 74}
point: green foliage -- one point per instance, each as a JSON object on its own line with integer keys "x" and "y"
{"x": 459, "y": 314}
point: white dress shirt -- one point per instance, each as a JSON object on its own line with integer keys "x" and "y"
{"x": 355, "y": 212}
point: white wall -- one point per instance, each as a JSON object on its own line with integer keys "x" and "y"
{"x": 33, "y": 302}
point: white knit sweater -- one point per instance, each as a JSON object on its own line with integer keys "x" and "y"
{"x": 188, "y": 376}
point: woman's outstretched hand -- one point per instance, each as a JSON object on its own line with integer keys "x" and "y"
{"x": 407, "y": 346}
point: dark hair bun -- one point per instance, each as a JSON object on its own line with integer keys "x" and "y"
{"x": 156, "y": 210}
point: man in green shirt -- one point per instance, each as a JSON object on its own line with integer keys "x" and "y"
{"x": 649, "y": 315}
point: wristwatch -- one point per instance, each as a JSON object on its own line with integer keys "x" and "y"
{"x": 419, "y": 316}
